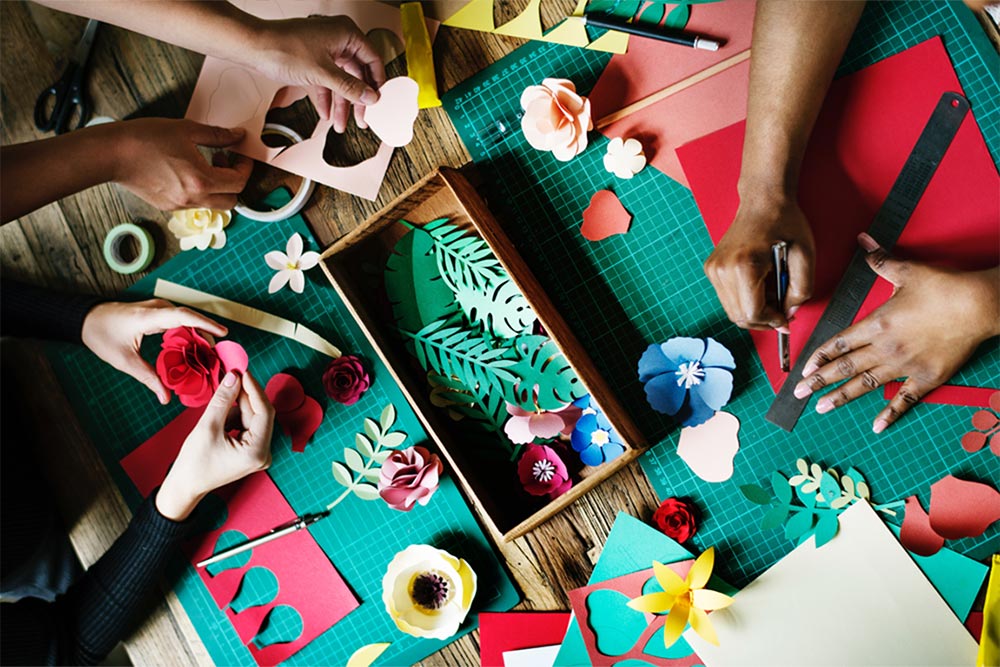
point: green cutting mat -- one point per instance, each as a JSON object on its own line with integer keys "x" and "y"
{"x": 360, "y": 537}
{"x": 645, "y": 286}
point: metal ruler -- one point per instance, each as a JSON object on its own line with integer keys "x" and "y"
{"x": 888, "y": 224}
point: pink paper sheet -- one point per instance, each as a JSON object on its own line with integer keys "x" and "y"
{"x": 866, "y": 130}
{"x": 307, "y": 580}
{"x": 650, "y": 66}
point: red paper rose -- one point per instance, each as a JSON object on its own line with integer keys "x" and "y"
{"x": 345, "y": 379}
{"x": 542, "y": 472}
{"x": 409, "y": 476}
{"x": 189, "y": 366}
{"x": 676, "y": 519}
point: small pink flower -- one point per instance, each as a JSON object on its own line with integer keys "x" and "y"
{"x": 345, "y": 379}
{"x": 542, "y": 472}
{"x": 556, "y": 118}
{"x": 523, "y": 426}
{"x": 409, "y": 476}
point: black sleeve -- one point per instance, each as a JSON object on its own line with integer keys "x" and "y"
{"x": 98, "y": 611}
{"x": 27, "y": 311}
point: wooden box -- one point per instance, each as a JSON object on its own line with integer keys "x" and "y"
{"x": 350, "y": 263}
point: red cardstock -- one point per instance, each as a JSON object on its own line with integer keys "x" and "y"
{"x": 869, "y": 123}
{"x": 515, "y": 630}
{"x": 604, "y": 217}
{"x": 948, "y": 394}
{"x": 307, "y": 580}
{"x": 960, "y": 508}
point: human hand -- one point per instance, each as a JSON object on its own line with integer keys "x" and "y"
{"x": 158, "y": 160}
{"x": 114, "y": 332}
{"x": 230, "y": 441}
{"x": 741, "y": 266}
{"x": 329, "y": 56}
{"x": 934, "y": 321}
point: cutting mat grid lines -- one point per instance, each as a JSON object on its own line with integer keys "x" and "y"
{"x": 621, "y": 294}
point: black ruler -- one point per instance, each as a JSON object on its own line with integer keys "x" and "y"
{"x": 885, "y": 228}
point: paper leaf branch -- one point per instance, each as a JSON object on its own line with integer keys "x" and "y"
{"x": 501, "y": 310}
{"x": 359, "y": 472}
{"x": 464, "y": 260}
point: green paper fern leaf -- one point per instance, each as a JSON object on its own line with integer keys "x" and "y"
{"x": 546, "y": 380}
{"x": 464, "y": 260}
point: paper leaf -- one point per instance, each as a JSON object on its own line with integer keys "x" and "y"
{"x": 781, "y": 488}
{"x": 413, "y": 284}
{"x": 366, "y": 492}
{"x": 547, "y": 380}
{"x": 826, "y": 528}
{"x": 382, "y": 457}
{"x": 366, "y": 655}
{"x": 341, "y": 474}
{"x": 756, "y": 494}
{"x": 774, "y": 517}
{"x": 616, "y": 626}
{"x": 353, "y": 460}
{"x": 464, "y": 260}
{"x": 802, "y": 466}
{"x": 364, "y": 445}
{"x": 393, "y": 440}
{"x": 800, "y": 524}
{"x": 678, "y": 17}
{"x": 372, "y": 475}
{"x": 372, "y": 429}
{"x": 388, "y": 417}
{"x": 501, "y": 310}
{"x": 282, "y": 624}
{"x": 960, "y": 508}
{"x": 829, "y": 488}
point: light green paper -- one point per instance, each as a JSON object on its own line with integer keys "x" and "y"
{"x": 502, "y": 311}
{"x": 545, "y": 375}
{"x": 616, "y": 627}
{"x": 464, "y": 260}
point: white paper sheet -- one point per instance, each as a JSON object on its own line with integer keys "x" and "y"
{"x": 543, "y": 656}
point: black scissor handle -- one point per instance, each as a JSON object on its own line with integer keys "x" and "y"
{"x": 68, "y": 96}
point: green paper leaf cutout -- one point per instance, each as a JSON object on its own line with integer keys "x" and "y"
{"x": 282, "y": 624}
{"x": 806, "y": 497}
{"x": 802, "y": 466}
{"x": 382, "y": 457}
{"x": 654, "y": 647}
{"x": 678, "y": 17}
{"x": 417, "y": 293}
{"x": 774, "y": 517}
{"x": 372, "y": 476}
{"x": 258, "y": 587}
{"x": 829, "y": 488}
{"x": 616, "y": 626}
{"x": 781, "y": 488}
{"x": 756, "y": 494}
{"x": 364, "y": 445}
{"x": 372, "y": 428}
{"x": 341, "y": 474}
{"x": 546, "y": 378}
{"x": 464, "y": 261}
{"x": 800, "y": 524}
{"x": 392, "y": 440}
{"x": 652, "y": 14}
{"x": 488, "y": 414}
{"x": 228, "y": 539}
{"x": 501, "y": 310}
{"x": 353, "y": 460}
{"x": 826, "y": 528}
{"x": 366, "y": 492}
{"x": 387, "y": 418}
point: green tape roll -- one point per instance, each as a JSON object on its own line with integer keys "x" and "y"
{"x": 113, "y": 248}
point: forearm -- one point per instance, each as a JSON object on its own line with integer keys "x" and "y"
{"x": 796, "y": 49}
{"x": 32, "y": 312}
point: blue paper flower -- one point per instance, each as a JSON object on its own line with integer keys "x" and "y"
{"x": 594, "y": 437}
{"x": 688, "y": 378}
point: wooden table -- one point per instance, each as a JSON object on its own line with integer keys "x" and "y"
{"x": 60, "y": 246}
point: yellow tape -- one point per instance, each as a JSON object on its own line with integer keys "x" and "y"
{"x": 419, "y": 55}
{"x": 989, "y": 644}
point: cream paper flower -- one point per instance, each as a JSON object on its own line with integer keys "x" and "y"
{"x": 200, "y": 228}
{"x": 556, "y": 118}
{"x": 290, "y": 265}
{"x": 624, "y": 158}
{"x": 427, "y": 592}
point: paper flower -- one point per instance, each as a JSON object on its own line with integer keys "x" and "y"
{"x": 409, "y": 476}
{"x": 687, "y": 378}
{"x": 191, "y": 367}
{"x": 427, "y": 592}
{"x": 625, "y": 158}
{"x": 200, "y": 228}
{"x": 290, "y": 265}
{"x": 345, "y": 379}
{"x": 594, "y": 437}
{"x": 556, "y": 118}
{"x": 523, "y": 426}
{"x": 687, "y": 600}
{"x": 542, "y": 472}
{"x": 676, "y": 519}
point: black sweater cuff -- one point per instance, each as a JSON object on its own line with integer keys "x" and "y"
{"x": 27, "y": 311}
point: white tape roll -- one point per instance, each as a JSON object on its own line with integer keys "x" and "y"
{"x": 302, "y": 194}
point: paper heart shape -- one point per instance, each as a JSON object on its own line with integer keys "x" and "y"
{"x": 916, "y": 533}
{"x": 604, "y": 217}
{"x": 285, "y": 392}
{"x": 616, "y": 626}
{"x": 960, "y": 508}
{"x": 392, "y": 117}
{"x": 709, "y": 449}
{"x": 298, "y": 415}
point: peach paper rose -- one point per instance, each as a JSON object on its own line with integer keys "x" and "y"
{"x": 555, "y": 118}
{"x": 408, "y": 477}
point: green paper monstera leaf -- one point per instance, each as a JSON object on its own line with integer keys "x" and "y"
{"x": 416, "y": 291}
{"x": 464, "y": 260}
{"x": 501, "y": 310}
{"x": 546, "y": 380}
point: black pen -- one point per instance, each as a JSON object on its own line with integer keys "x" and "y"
{"x": 298, "y": 523}
{"x": 672, "y": 35}
{"x": 780, "y": 253}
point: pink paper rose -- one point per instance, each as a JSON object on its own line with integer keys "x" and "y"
{"x": 188, "y": 366}
{"x": 409, "y": 476}
{"x": 542, "y": 472}
{"x": 524, "y": 426}
{"x": 346, "y": 379}
{"x": 556, "y": 118}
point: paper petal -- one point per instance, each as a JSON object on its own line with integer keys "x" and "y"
{"x": 916, "y": 534}
{"x": 960, "y": 508}
{"x": 301, "y": 423}
{"x": 285, "y": 392}
{"x": 716, "y": 354}
{"x": 604, "y": 217}
{"x": 392, "y": 117}
{"x": 297, "y": 281}
{"x": 653, "y": 603}
{"x": 676, "y": 621}
{"x": 233, "y": 356}
{"x": 710, "y": 448}
{"x": 683, "y": 350}
{"x": 653, "y": 363}
{"x": 696, "y": 412}
{"x": 710, "y": 600}
{"x": 664, "y": 394}
{"x": 277, "y": 260}
{"x": 669, "y": 580}
{"x": 308, "y": 260}
{"x": 702, "y": 569}
{"x": 294, "y": 248}
{"x": 546, "y": 425}
{"x": 279, "y": 280}
{"x": 518, "y": 430}
{"x": 716, "y": 388}
{"x": 703, "y": 626}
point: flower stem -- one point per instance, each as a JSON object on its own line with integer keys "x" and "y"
{"x": 360, "y": 475}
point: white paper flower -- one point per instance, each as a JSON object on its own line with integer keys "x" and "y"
{"x": 290, "y": 265}
{"x": 624, "y": 159}
{"x": 427, "y": 592}
{"x": 200, "y": 228}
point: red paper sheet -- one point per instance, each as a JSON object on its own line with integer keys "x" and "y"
{"x": 514, "y": 630}
{"x": 651, "y": 65}
{"x": 948, "y": 394}
{"x": 866, "y": 130}
{"x": 307, "y": 580}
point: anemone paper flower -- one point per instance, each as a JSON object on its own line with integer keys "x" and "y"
{"x": 542, "y": 472}
{"x": 624, "y": 158}
{"x": 687, "y": 378}
{"x": 290, "y": 265}
{"x": 687, "y": 600}
{"x": 523, "y": 426}
{"x": 594, "y": 438}
{"x": 427, "y": 592}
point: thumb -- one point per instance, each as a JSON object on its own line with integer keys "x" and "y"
{"x": 145, "y": 374}
{"x": 881, "y": 262}
{"x": 800, "y": 277}
{"x": 223, "y": 399}
{"x": 214, "y": 136}
{"x": 352, "y": 88}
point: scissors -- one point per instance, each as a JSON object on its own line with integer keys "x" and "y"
{"x": 67, "y": 93}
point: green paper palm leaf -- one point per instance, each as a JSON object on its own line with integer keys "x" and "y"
{"x": 464, "y": 260}
{"x": 546, "y": 380}
{"x": 416, "y": 290}
{"x": 501, "y": 309}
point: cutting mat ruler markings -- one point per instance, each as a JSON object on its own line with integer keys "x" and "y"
{"x": 886, "y": 228}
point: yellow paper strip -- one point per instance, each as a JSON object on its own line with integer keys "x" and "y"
{"x": 243, "y": 314}
{"x": 989, "y": 644}
{"x": 419, "y": 55}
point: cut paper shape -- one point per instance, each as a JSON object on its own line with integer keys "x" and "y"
{"x": 285, "y": 392}
{"x": 615, "y": 633}
{"x": 419, "y": 55}
{"x": 367, "y": 654}
{"x": 947, "y": 394}
{"x": 987, "y": 425}
{"x": 508, "y": 632}
{"x": 869, "y": 122}
{"x": 624, "y": 159}
{"x": 916, "y": 534}
{"x": 526, "y": 425}
{"x": 282, "y": 624}
{"x": 604, "y": 217}
{"x": 960, "y": 508}
{"x": 228, "y": 539}
{"x": 233, "y": 356}
{"x": 502, "y": 311}
{"x": 290, "y": 265}
{"x": 464, "y": 260}
{"x": 540, "y": 656}
{"x": 148, "y": 464}
{"x": 861, "y": 580}
{"x": 392, "y": 117}
{"x": 258, "y": 587}
{"x": 593, "y": 437}
{"x": 417, "y": 293}
{"x": 687, "y": 378}
{"x": 556, "y": 119}
{"x": 710, "y": 448}
{"x": 299, "y": 422}
{"x": 242, "y": 314}
{"x": 989, "y": 647}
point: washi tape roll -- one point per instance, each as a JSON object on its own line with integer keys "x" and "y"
{"x": 114, "y": 244}
{"x": 301, "y": 195}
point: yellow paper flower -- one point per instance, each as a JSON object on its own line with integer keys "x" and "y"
{"x": 427, "y": 592}
{"x": 687, "y": 600}
{"x": 200, "y": 227}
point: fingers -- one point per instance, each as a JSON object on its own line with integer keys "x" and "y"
{"x": 171, "y": 317}
{"x": 145, "y": 374}
{"x": 263, "y": 412}
{"x": 853, "y": 364}
{"x": 369, "y": 58}
{"x": 881, "y": 262}
{"x": 322, "y": 100}
{"x": 222, "y": 400}
{"x": 741, "y": 287}
{"x": 214, "y": 136}
{"x": 800, "y": 277}
{"x": 352, "y": 88}
{"x": 341, "y": 110}
{"x": 859, "y": 385}
{"x": 909, "y": 395}
{"x": 853, "y": 337}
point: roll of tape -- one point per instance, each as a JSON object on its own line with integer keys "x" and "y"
{"x": 114, "y": 241}
{"x": 301, "y": 195}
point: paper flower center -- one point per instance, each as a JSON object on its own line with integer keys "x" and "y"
{"x": 543, "y": 470}
{"x": 291, "y": 266}
{"x": 430, "y": 590}
{"x": 600, "y": 438}
{"x": 690, "y": 374}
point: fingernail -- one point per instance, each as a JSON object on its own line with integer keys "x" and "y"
{"x": 783, "y": 330}
{"x": 230, "y": 379}
{"x": 238, "y": 131}
{"x": 369, "y": 97}
{"x": 824, "y": 405}
{"x": 880, "y": 425}
{"x": 867, "y": 242}
{"x": 164, "y": 399}
{"x": 801, "y": 391}
{"x": 792, "y": 311}
{"x": 809, "y": 369}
